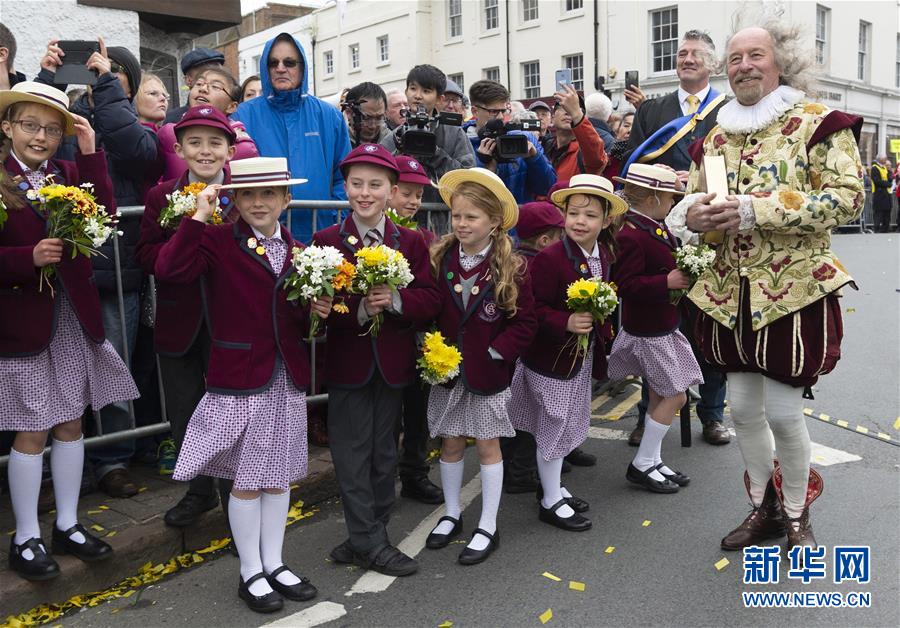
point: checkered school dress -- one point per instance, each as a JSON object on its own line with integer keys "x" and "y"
{"x": 556, "y": 411}
{"x": 666, "y": 363}
{"x": 56, "y": 385}
{"x": 259, "y": 440}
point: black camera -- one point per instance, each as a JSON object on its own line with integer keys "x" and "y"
{"x": 416, "y": 137}
{"x": 511, "y": 143}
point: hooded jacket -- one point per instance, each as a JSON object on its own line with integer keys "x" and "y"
{"x": 309, "y": 132}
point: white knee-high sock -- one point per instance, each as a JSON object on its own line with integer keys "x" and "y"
{"x": 244, "y": 516}
{"x": 747, "y": 398}
{"x": 451, "y": 483}
{"x": 24, "y": 488}
{"x": 66, "y": 466}
{"x": 784, "y": 412}
{"x": 651, "y": 445}
{"x": 550, "y": 472}
{"x": 491, "y": 490}
{"x": 273, "y": 515}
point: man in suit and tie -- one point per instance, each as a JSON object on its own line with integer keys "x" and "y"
{"x": 663, "y": 130}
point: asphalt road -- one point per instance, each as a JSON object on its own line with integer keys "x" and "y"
{"x": 661, "y": 574}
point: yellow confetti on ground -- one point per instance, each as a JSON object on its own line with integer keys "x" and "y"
{"x": 722, "y": 564}
{"x": 884, "y": 436}
{"x": 646, "y": 523}
{"x": 446, "y": 624}
{"x": 142, "y": 489}
{"x": 897, "y": 423}
{"x": 610, "y": 549}
{"x": 576, "y": 586}
{"x": 850, "y": 310}
{"x": 546, "y": 616}
{"x": 94, "y": 512}
{"x": 103, "y": 507}
{"x": 550, "y": 576}
{"x": 862, "y": 430}
{"x": 11, "y": 532}
{"x": 824, "y": 417}
{"x": 112, "y": 533}
{"x": 97, "y": 528}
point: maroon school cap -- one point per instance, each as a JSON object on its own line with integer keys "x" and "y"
{"x": 374, "y": 154}
{"x": 204, "y": 115}
{"x": 411, "y": 171}
{"x": 537, "y": 217}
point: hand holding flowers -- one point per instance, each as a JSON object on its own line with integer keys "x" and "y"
{"x": 186, "y": 202}
{"x": 380, "y": 270}
{"x": 690, "y": 262}
{"x": 318, "y": 272}
{"x": 592, "y": 301}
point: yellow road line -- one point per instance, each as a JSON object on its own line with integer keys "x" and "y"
{"x": 615, "y": 413}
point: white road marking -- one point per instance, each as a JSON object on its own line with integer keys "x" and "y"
{"x": 824, "y": 456}
{"x": 606, "y": 434}
{"x": 374, "y": 582}
{"x": 321, "y": 613}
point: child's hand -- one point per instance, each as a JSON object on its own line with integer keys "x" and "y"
{"x": 580, "y": 323}
{"x": 206, "y": 203}
{"x": 52, "y": 59}
{"x": 378, "y": 300}
{"x": 85, "y": 135}
{"x": 47, "y": 251}
{"x": 677, "y": 280}
{"x": 321, "y": 306}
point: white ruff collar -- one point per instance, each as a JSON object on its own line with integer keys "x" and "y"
{"x": 734, "y": 117}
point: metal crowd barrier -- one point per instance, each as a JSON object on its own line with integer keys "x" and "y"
{"x": 433, "y": 212}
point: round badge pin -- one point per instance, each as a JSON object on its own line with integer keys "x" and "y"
{"x": 475, "y": 290}
{"x": 260, "y": 250}
{"x": 659, "y": 231}
{"x": 252, "y": 243}
{"x": 450, "y": 275}
{"x": 458, "y": 288}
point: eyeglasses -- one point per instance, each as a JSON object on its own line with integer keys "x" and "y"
{"x": 493, "y": 112}
{"x": 289, "y": 63}
{"x": 219, "y": 87}
{"x": 372, "y": 120}
{"x": 30, "y": 127}
{"x": 115, "y": 68}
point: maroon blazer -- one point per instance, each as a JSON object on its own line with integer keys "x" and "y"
{"x": 429, "y": 236}
{"x": 529, "y": 254}
{"x": 180, "y": 308}
{"x": 553, "y": 351}
{"x": 352, "y": 355}
{"x": 27, "y": 315}
{"x": 482, "y": 325}
{"x": 252, "y": 323}
{"x": 645, "y": 258}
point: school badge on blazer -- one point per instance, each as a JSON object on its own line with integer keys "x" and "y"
{"x": 489, "y": 311}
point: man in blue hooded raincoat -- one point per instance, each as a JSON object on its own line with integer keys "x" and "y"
{"x": 288, "y": 122}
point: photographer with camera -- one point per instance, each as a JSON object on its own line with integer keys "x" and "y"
{"x": 576, "y": 148}
{"x": 364, "y": 108}
{"x": 510, "y": 149}
{"x": 435, "y": 140}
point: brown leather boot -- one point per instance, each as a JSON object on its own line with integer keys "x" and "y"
{"x": 799, "y": 529}
{"x": 763, "y": 522}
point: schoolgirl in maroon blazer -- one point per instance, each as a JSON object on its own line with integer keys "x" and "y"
{"x": 181, "y": 336}
{"x": 552, "y": 385}
{"x": 250, "y": 426}
{"x": 649, "y": 344}
{"x": 366, "y": 374}
{"x": 54, "y": 359}
{"x": 487, "y": 312}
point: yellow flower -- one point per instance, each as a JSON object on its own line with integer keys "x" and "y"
{"x": 790, "y": 199}
{"x": 581, "y": 288}
{"x": 373, "y": 256}
{"x": 195, "y": 188}
{"x": 340, "y": 308}
{"x": 344, "y": 277}
{"x": 813, "y": 107}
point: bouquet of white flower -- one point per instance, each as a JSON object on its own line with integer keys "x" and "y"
{"x": 318, "y": 271}
{"x": 692, "y": 260}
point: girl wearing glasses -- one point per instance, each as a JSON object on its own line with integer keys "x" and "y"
{"x": 58, "y": 363}
{"x": 217, "y": 88}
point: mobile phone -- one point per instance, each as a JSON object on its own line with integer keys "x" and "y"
{"x": 631, "y": 79}
{"x": 73, "y": 71}
{"x": 563, "y": 77}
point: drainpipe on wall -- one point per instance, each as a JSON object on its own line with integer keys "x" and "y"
{"x": 315, "y": 89}
{"x": 508, "y": 68}
{"x": 596, "y": 45}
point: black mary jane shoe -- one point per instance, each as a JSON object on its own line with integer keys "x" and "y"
{"x": 643, "y": 478}
{"x": 471, "y": 556}
{"x": 676, "y": 476}
{"x": 438, "y": 541}
{"x": 575, "y": 503}
{"x": 575, "y": 523}
{"x": 40, "y": 567}
{"x": 92, "y": 550}
{"x": 300, "y": 592}
{"x": 268, "y": 603}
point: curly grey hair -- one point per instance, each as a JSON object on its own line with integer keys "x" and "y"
{"x": 793, "y": 55}
{"x": 710, "y": 61}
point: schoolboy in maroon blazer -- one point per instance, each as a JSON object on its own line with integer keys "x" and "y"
{"x": 21, "y": 300}
{"x": 540, "y": 224}
{"x": 180, "y": 333}
{"x": 365, "y": 374}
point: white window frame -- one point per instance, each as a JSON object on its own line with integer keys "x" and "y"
{"x": 530, "y": 6}
{"x": 490, "y": 14}
{"x": 570, "y": 6}
{"x": 459, "y": 78}
{"x": 823, "y": 35}
{"x": 328, "y": 62}
{"x": 864, "y": 51}
{"x": 670, "y": 42}
{"x": 454, "y": 19}
{"x": 568, "y": 61}
{"x": 491, "y": 74}
{"x": 353, "y": 57}
{"x": 383, "y": 44}
{"x": 528, "y": 79}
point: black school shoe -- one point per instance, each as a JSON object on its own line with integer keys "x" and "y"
{"x": 422, "y": 490}
{"x": 343, "y": 553}
{"x": 387, "y": 560}
{"x": 189, "y": 508}
{"x": 40, "y": 567}
{"x": 471, "y": 556}
{"x": 300, "y": 592}
{"x": 438, "y": 541}
{"x": 676, "y": 476}
{"x": 581, "y": 458}
{"x": 268, "y": 603}
{"x": 575, "y": 523}
{"x": 575, "y": 503}
{"x": 92, "y": 550}
{"x": 643, "y": 479}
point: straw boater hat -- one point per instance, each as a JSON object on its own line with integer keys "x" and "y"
{"x": 29, "y": 91}
{"x": 591, "y": 185}
{"x": 453, "y": 179}
{"x": 260, "y": 172}
{"x": 651, "y": 177}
